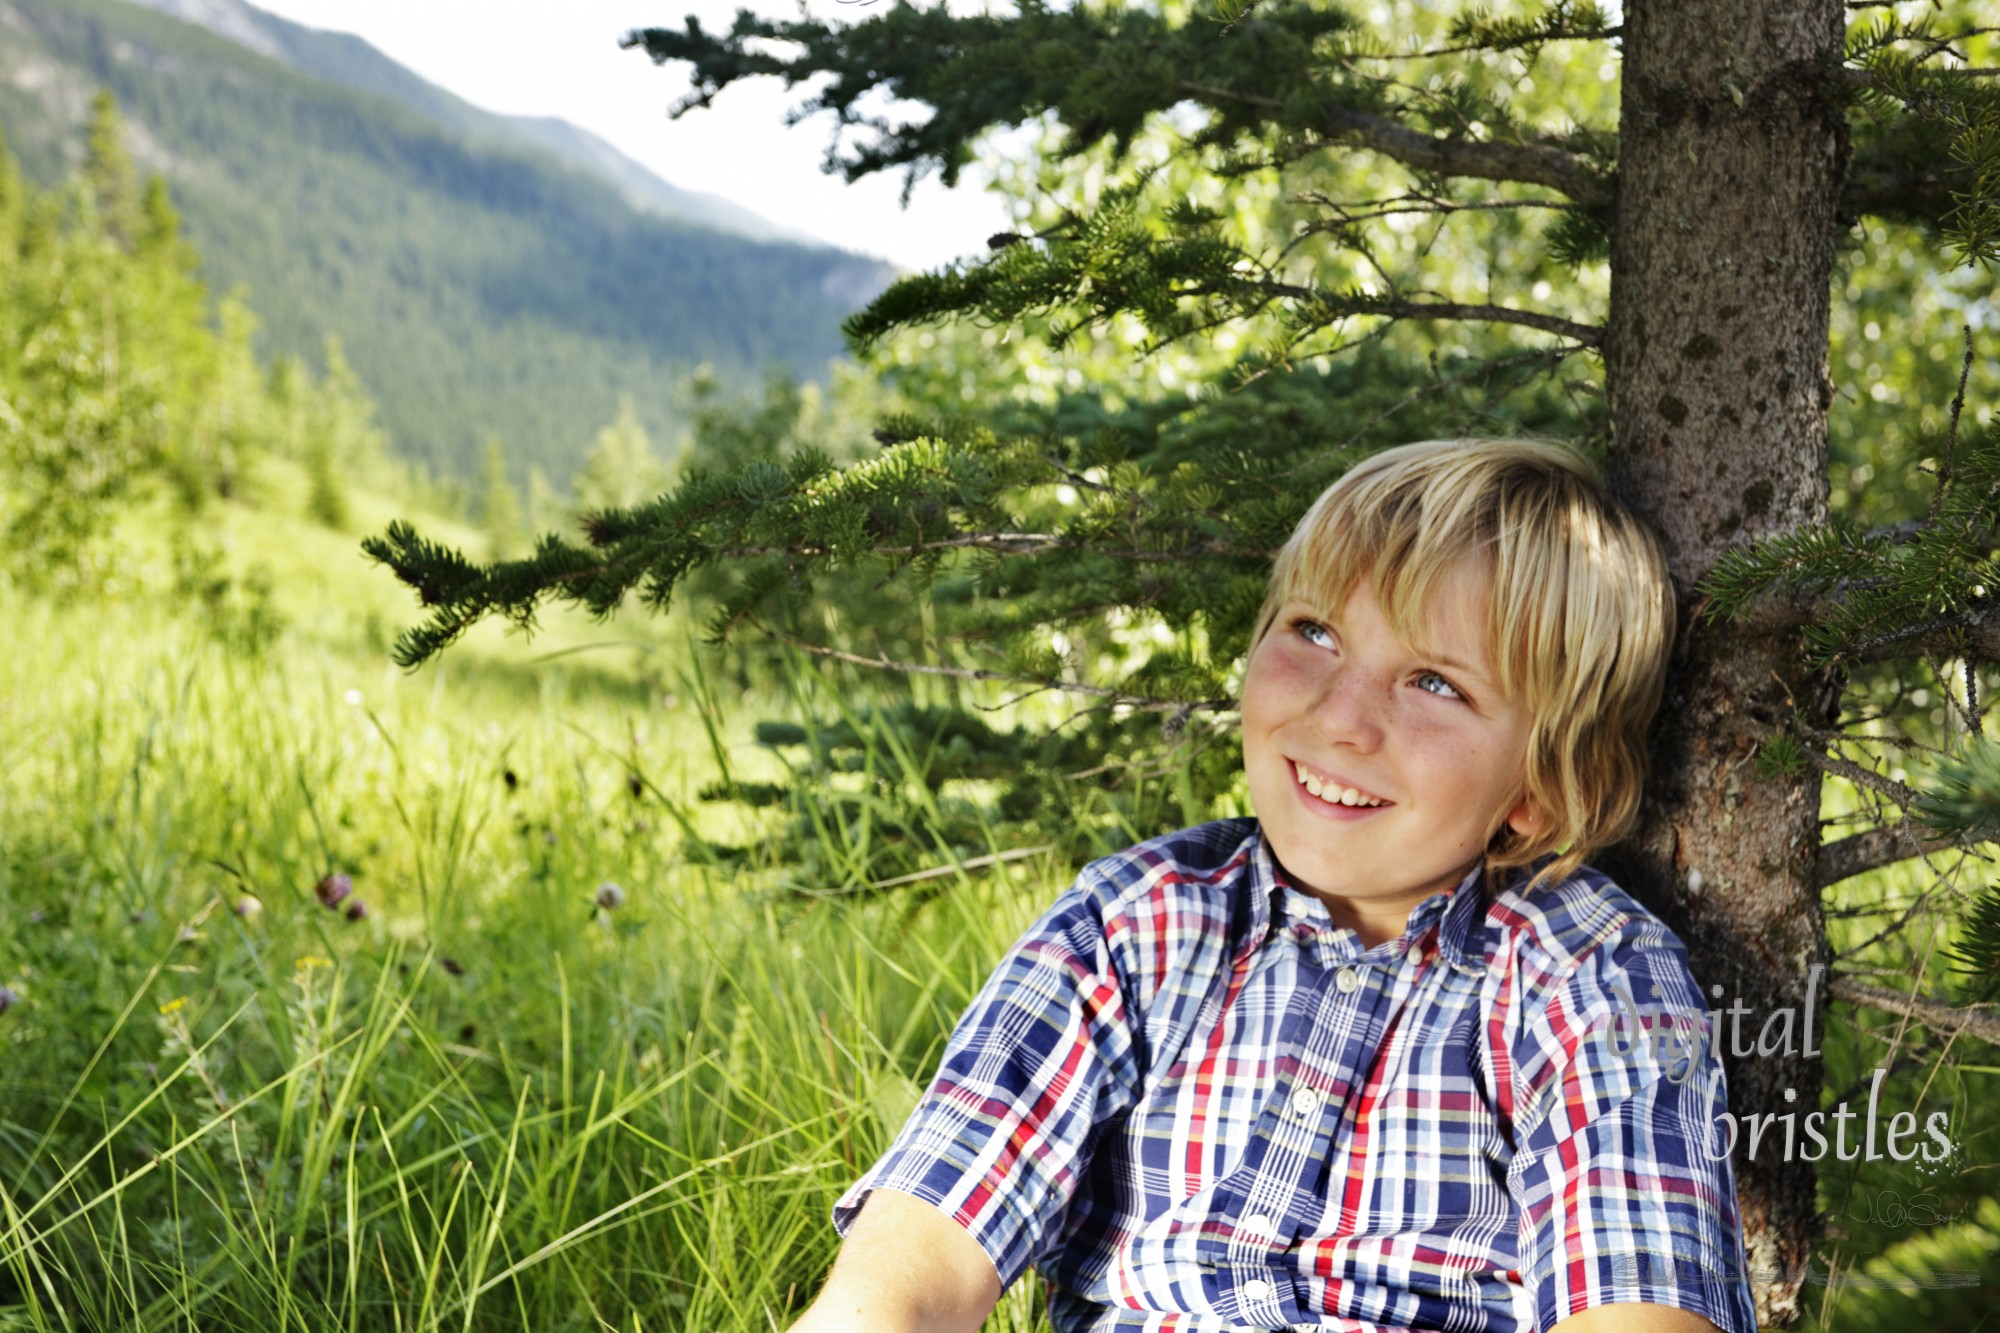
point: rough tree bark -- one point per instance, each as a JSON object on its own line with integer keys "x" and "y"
{"x": 1731, "y": 153}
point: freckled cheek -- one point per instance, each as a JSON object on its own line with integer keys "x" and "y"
{"x": 1446, "y": 753}
{"x": 1274, "y": 692}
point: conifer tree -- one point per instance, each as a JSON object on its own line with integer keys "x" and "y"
{"x": 621, "y": 469}
{"x": 500, "y": 507}
{"x": 1467, "y": 213}
{"x": 288, "y": 389}
{"x": 108, "y": 171}
{"x": 241, "y": 419}
{"x": 87, "y": 417}
{"x": 340, "y": 440}
{"x": 545, "y": 507}
{"x": 326, "y": 493}
{"x": 12, "y": 198}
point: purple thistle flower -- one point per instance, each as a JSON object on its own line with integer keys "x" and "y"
{"x": 357, "y": 910}
{"x": 610, "y": 896}
{"x": 332, "y": 890}
{"x": 8, "y": 998}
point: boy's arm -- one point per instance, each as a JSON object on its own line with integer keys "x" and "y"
{"x": 1628, "y": 1214}
{"x": 986, "y": 1166}
{"x": 904, "y": 1268}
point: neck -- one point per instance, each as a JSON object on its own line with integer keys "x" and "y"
{"x": 1377, "y": 920}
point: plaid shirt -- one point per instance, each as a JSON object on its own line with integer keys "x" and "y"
{"x": 1192, "y": 1102}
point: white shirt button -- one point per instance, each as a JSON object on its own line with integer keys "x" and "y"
{"x": 1256, "y": 1289}
{"x": 1260, "y": 1222}
{"x": 1305, "y": 1100}
{"x": 1347, "y": 979}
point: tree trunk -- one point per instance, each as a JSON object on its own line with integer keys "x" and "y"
{"x": 1732, "y": 145}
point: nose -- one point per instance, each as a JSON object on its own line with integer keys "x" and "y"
{"x": 1352, "y": 709}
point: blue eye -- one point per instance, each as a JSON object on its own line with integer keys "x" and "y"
{"x": 1313, "y": 632}
{"x": 1450, "y": 690}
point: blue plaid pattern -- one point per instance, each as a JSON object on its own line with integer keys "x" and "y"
{"x": 1192, "y": 1102}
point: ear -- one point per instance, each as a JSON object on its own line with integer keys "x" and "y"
{"x": 1526, "y": 818}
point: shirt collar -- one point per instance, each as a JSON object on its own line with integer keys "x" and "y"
{"x": 1459, "y": 913}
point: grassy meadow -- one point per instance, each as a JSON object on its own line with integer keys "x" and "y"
{"x": 486, "y": 1103}
{"x": 484, "y": 1100}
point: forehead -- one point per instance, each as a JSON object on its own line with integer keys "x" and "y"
{"x": 1443, "y": 609}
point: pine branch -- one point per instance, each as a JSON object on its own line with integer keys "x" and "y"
{"x": 1924, "y": 587}
{"x": 1886, "y": 179}
{"x": 1952, "y": 424}
{"x": 1977, "y": 951}
{"x": 1964, "y": 800}
{"x": 1888, "y": 845}
{"x": 1113, "y": 698}
{"x": 1102, "y": 74}
{"x": 1001, "y": 543}
{"x": 1178, "y": 280}
{"x": 1973, "y": 632}
{"x": 1978, "y": 1020}
{"x": 1530, "y": 163}
{"x": 1344, "y": 215}
{"x": 1904, "y": 797}
{"x": 1327, "y": 306}
{"x": 1759, "y": 578}
{"x": 1562, "y": 21}
{"x": 1005, "y": 544}
{"x": 1947, "y": 119}
{"x": 1918, "y": 905}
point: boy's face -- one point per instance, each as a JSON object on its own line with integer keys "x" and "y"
{"x": 1334, "y": 699}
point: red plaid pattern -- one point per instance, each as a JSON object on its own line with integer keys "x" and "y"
{"x": 1192, "y": 1102}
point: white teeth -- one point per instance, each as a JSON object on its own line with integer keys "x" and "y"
{"x": 1332, "y": 794}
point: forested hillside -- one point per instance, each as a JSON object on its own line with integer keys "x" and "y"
{"x": 350, "y": 62}
{"x": 480, "y": 289}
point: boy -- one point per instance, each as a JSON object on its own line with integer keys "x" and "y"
{"x": 1369, "y": 1060}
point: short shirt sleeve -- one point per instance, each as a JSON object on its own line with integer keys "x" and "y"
{"x": 1619, "y": 1197}
{"x": 1040, "y": 1059}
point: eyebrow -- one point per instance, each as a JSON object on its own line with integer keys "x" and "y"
{"x": 1453, "y": 664}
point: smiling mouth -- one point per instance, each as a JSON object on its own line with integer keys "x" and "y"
{"x": 1333, "y": 793}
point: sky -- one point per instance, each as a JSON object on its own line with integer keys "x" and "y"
{"x": 534, "y": 57}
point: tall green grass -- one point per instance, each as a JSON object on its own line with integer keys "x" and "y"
{"x": 489, "y": 1103}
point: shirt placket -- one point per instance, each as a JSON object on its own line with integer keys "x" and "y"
{"x": 1328, "y": 1046}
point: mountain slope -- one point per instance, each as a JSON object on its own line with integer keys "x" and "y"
{"x": 350, "y": 62}
{"x": 481, "y": 287}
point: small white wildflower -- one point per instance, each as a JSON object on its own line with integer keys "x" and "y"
{"x": 610, "y": 897}
{"x": 248, "y": 905}
{"x": 352, "y": 698}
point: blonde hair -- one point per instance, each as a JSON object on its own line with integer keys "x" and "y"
{"x": 1579, "y": 611}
